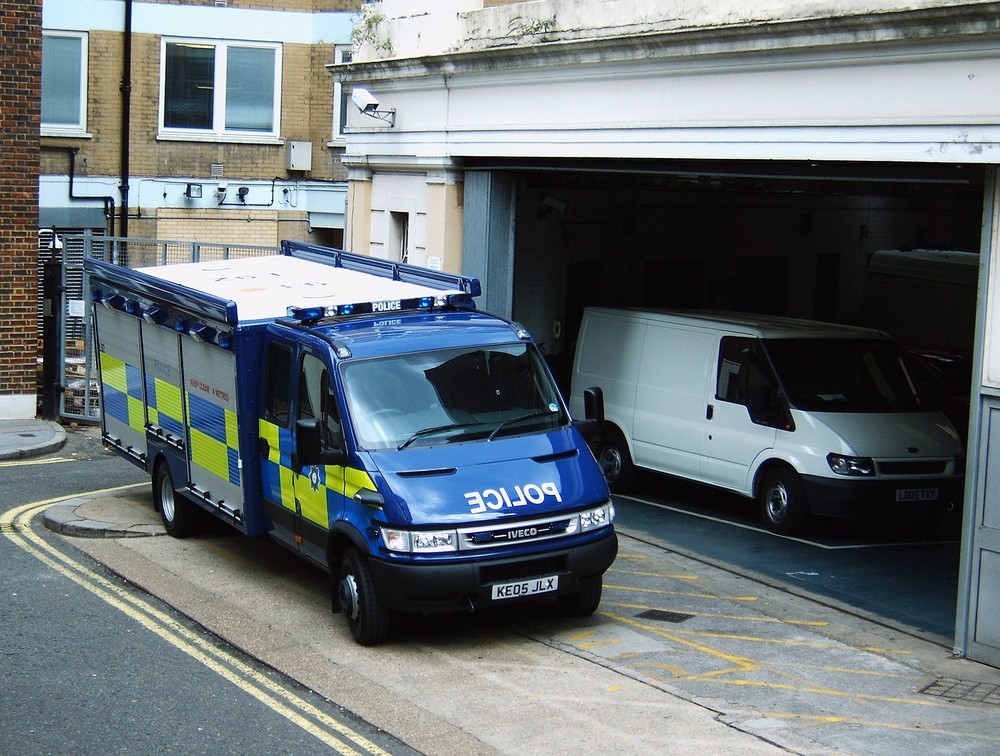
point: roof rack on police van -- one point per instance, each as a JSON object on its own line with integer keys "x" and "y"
{"x": 396, "y": 271}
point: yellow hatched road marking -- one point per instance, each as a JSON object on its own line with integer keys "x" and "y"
{"x": 741, "y": 617}
{"x": 663, "y": 592}
{"x": 16, "y": 525}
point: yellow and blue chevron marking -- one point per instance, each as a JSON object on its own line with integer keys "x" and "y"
{"x": 321, "y": 489}
{"x": 122, "y": 392}
{"x": 276, "y": 469}
{"x": 163, "y": 402}
{"x": 214, "y": 441}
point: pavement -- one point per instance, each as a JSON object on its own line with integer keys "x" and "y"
{"x": 21, "y": 439}
{"x": 793, "y": 674}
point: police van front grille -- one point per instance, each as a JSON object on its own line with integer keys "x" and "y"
{"x": 499, "y": 573}
{"x": 520, "y": 531}
{"x": 916, "y": 467}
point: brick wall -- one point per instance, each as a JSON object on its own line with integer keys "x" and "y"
{"x": 20, "y": 82}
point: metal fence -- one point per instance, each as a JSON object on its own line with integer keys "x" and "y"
{"x": 79, "y": 399}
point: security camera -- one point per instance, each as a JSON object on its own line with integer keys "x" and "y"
{"x": 365, "y": 101}
{"x": 222, "y": 187}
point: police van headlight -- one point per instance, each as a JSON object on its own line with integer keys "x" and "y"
{"x": 419, "y": 541}
{"x": 597, "y": 518}
{"x": 853, "y": 466}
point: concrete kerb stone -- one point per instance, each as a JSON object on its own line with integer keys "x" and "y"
{"x": 104, "y": 517}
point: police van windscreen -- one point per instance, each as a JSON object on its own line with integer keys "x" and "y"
{"x": 445, "y": 396}
{"x": 846, "y": 375}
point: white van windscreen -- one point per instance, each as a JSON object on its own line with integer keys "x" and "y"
{"x": 449, "y": 395}
{"x": 846, "y": 375}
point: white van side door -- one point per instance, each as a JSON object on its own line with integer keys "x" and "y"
{"x": 677, "y": 364}
{"x": 736, "y": 429}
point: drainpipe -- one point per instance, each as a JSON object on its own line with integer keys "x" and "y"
{"x": 109, "y": 202}
{"x": 126, "y": 89}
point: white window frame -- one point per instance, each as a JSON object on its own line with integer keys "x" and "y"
{"x": 219, "y": 132}
{"x": 78, "y": 129}
{"x": 341, "y": 97}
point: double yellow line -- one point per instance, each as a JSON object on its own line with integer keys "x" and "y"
{"x": 17, "y": 526}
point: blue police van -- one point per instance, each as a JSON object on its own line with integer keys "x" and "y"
{"x": 367, "y": 416}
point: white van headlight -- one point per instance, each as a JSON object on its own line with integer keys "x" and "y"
{"x": 419, "y": 541}
{"x": 853, "y": 466}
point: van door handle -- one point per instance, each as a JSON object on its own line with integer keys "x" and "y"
{"x": 709, "y": 412}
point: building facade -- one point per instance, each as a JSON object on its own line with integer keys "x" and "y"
{"x": 20, "y": 70}
{"x": 196, "y": 120}
{"x": 752, "y": 157}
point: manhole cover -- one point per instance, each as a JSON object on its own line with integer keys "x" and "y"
{"x": 964, "y": 690}
{"x": 664, "y": 616}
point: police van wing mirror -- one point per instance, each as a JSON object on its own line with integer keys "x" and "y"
{"x": 593, "y": 410}
{"x": 309, "y": 449}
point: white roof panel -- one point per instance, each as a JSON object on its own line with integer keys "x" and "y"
{"x": 264, "y": 287}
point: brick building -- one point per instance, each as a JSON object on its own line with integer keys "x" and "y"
{"x": 20, "y": 66}
{"x": 196, "y": 120}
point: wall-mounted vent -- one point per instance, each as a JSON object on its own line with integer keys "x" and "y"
{"x": 217, "y": 170}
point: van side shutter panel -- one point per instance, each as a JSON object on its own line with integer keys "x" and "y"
{"x": 122, "y": 394}
{"x": 210, "y": 402}
{"x": 164, "y": 390}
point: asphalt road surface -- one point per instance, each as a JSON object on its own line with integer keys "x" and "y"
{"x": 91, "y": 664}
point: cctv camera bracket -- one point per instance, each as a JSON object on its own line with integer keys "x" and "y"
{"x": 389, "y": 116}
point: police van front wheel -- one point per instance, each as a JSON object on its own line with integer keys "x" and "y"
{"x": 176, "y": 512}
{"x": 366, "y": 616}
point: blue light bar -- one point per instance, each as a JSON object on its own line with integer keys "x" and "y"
{"x": 425, "y": 303}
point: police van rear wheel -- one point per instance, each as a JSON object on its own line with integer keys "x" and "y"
{"x": 584, "y": 603}
{"x": 359, "y": 603}
{"x": 176, "y": 512}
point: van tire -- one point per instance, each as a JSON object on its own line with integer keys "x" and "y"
{"x": 366, "y": 616}
{"x": 782, "y": 499}
{"x": 614, "y": 458}
{"x": 583, "y": 603}
{"x": 176, "y": 512}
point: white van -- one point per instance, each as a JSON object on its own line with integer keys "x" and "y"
{"x": 808, "y": 418}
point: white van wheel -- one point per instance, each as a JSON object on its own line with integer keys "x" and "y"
{"x": 783, "y": 502}
{"x": 614, "y": 459}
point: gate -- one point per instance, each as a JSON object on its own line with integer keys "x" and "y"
{"x": 72, "y": 391}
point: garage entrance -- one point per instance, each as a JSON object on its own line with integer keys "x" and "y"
{"x": 794, "y": 239}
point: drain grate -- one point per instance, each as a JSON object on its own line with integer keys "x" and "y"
{"x": 964, "y": 690}
{"x": 663, "y": 616}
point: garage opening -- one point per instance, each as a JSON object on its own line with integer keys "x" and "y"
{"x": 806, "y": 240}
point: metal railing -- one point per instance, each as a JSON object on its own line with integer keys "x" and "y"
{"x": 79, "y": 395}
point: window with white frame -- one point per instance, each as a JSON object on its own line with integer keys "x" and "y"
{"x": 341, "y": 96}
{"x": 64, "y": 83}
{"x": 220, "y": 90}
